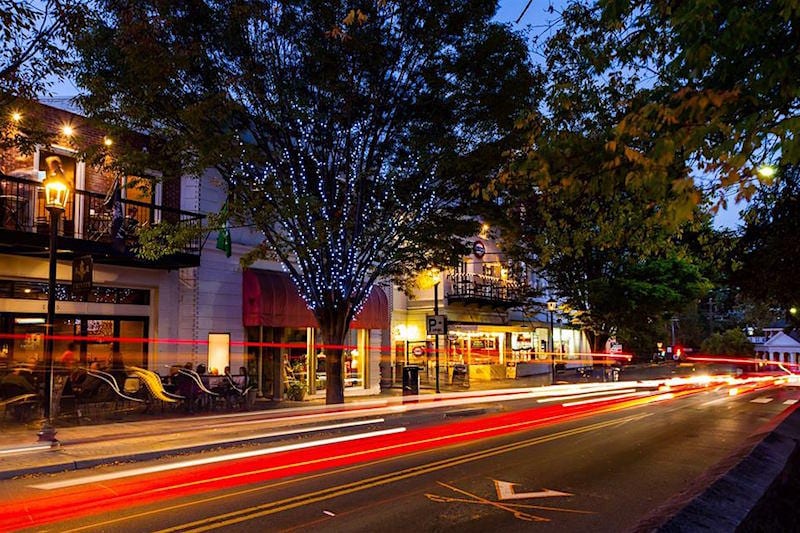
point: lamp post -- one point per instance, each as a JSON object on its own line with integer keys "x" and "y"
{"x": 436, "y": 337}
{"x": 434, "y": 278}
{"x": 551, "y": 306}
{"x": 56, "y": 193}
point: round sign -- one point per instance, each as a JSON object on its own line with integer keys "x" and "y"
{"x": 418, "y": 351}
{"x": 478, "y": 249}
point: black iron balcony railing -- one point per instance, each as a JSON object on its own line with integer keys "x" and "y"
{"x": 484, "y": 290}
{"x": 89, "y": 216}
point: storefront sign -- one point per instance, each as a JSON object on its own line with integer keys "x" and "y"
{"x": 82, "y": 268}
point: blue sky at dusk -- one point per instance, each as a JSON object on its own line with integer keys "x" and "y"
{"x": 536, "y": 17}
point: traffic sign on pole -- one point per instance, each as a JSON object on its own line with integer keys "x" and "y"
{"x": 436, "y": 324}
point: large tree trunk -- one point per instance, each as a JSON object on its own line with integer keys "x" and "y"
{"x": 334, "y": 331}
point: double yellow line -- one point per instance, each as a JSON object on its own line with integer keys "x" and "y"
{"x": 293, "y": 502}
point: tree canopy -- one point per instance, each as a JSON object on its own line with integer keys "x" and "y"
{"x": 601, "y": 229}
{"x": 652, "y": 108}
{"x": 767, "y": 251}
{"x": 718, "y": 80}
{"x": 35, "y": 40}
{"x": 347, "y": 136}
{"x": 730, "y": 342}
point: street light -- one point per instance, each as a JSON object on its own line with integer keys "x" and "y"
{"x": 551, "y": 306}
{"x": 56, "y": 194}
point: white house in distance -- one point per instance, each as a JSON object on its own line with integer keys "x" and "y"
{"x": 778, "y": 344}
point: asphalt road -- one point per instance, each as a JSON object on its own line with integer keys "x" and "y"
{"x": 503, "y": 470}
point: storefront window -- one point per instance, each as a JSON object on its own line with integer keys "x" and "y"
{"x": 132, "y": 345}
{"x": 28, "y": 340}
{"x": 475, "y": 348}
{"x": 99, "y": 345}
{"x": 354, "y": 359}
{"x": 521, "y": 346}
{"x": 321, "y": 377}
{"x": 295, "y": 356}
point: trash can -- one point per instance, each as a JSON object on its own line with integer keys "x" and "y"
{"x": 460, "y": 375}
{"x": 410, "y": 380}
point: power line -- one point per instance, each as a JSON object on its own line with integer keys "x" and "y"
{"x": 524, "y": 10}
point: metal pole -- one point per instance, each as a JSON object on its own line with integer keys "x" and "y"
{"x": 672, "y": 327}
{"x": 436, "y": 348}
{"x": 48, "y": 432}
{"x": 552, "y": 353}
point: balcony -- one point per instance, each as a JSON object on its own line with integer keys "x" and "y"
{"x": 482, "y": 290}
{"x": 90, "y": 225}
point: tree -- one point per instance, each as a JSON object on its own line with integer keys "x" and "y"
{"x": 35, "y": 40}
{"x": 718, "y": 80}
{"x": 347, "y": 136}
{"x": 767, "y": 250}
{"x": 603, "y": 230}
{"x": 730, "y": 342}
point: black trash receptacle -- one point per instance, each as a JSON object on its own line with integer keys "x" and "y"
{"x": 460, "y": 376}
{"x": 410, "y": 380}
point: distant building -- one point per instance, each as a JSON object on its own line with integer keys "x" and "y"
{"x": 778, "y": 344}
{"x": 491, "y": 327}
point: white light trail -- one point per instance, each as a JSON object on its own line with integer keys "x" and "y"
{"x": 607, "y": 398}
{"x": 210, "y": 460}
{"x": 586, "y": 395}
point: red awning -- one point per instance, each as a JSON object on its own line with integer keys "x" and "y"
{"x": 375, "y": 313}
{"x": 270, "y": 299}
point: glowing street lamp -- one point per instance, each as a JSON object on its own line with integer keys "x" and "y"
{"x": 766, "y": 171}
{"x": 56, "y": 191}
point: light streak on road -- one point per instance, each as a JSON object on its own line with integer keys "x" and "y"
{"x": 236, "y": 470}
{"x": 216, "y": 459}
{"x": 26, "y": 449}
{"x": 585, "y": 395}
{"x": 73, "y": 501}
{"x": 607, "y": 398}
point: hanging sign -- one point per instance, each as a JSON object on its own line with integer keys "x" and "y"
{"x": 82, "y": 269}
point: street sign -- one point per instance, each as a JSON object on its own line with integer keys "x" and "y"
{"x": 436, "y": 324}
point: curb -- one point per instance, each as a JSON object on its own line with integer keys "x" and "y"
{"x": 721, "y": 500}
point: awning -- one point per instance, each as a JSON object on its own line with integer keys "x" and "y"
{"x": 270, "y": 299}
{"x": 375, "y": 313}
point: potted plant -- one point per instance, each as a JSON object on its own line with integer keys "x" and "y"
{"x": 295, "y": 392}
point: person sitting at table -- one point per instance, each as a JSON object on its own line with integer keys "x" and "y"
{"x": 116, "y": 367}
{"x": 16, "y": 383}
{"x": 187, "y": 386}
